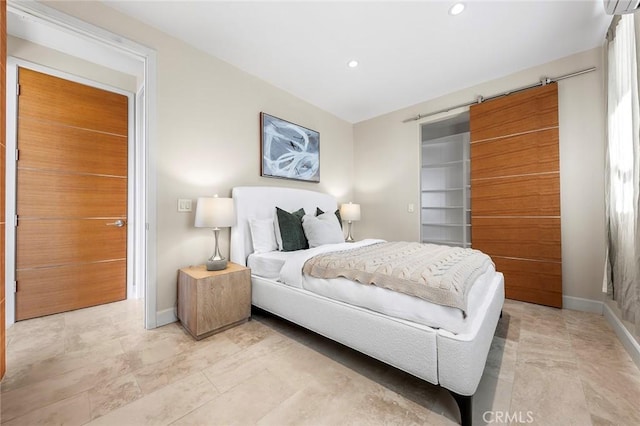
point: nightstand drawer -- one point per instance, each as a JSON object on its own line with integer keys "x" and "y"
{"x": 213, "y": 301}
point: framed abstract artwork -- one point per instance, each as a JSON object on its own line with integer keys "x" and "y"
{"x": 288, "y": 151}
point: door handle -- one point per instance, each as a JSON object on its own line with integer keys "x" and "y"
{"x": 119, "y": 223}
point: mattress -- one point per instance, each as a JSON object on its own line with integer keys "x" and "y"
{"x": 381, "y": 300}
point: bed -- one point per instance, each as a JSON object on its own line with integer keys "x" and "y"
{"x": 454, "y": 360}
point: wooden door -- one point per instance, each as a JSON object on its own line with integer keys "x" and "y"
{"x": 71, "y": 195}
{"x": 515, "y": 191}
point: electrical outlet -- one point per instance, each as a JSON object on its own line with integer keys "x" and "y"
{"x": 410, "y": 208}
{"x": 184, "y": 205}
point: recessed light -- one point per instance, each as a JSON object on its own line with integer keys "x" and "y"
{"x": 456, "y": 9}
{"x": 352, "y": 63}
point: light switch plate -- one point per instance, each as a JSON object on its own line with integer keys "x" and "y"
{"x": 184, "y": 205}
{"x": 410, "y": 208}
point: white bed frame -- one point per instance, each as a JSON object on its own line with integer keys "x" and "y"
{"x": 455, "y": 362}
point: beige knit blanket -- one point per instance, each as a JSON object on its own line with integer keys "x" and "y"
{"x": 438, "y": 274}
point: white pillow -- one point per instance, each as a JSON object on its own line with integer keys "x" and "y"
{"x": 276, "y": 227}
{"x": 322, "y": 229}
{"x": 263, "y": 235}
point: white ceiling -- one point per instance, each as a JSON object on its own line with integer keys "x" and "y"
{"x": 409, "y": 52}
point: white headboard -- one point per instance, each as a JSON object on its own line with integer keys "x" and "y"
{"x": 260, "y": 202}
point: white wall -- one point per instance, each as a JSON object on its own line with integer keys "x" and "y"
{"x": 208, "y": 142}
{"x": 387, "y": 167}
{"x": 208, "y": 138}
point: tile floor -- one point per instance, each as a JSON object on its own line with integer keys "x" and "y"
{"x": 98, "y": 366}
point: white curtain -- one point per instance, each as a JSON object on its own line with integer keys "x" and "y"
{"x": 622, "y": 279}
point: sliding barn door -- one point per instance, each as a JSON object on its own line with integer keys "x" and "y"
{"x": 71, "y": 239}
{"x": 515, "y": 191}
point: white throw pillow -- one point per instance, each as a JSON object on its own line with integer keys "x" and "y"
{"x": 276, "y": 228}
{"x": 322, "y": 229}
{"x": 263, "y": 235}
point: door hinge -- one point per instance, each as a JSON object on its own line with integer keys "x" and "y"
{"x": 18, "y": 89}
{"x": 15, "y": 221}
{"x": 15, "y": 286}
{"x": 17, "y": 154}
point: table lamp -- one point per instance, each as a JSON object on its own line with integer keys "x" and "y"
{"x": 215, "y": 213}
{"x": 350, "y": 212}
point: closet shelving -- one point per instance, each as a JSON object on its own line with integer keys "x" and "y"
{"x": 445, "y": 189}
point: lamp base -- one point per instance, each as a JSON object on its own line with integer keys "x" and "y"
{"x": 216, "y": 265}
{"x": 349, "y": 238}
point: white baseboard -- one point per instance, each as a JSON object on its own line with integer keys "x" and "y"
{"x": 584, "y": 305}
{"x": 628, "y": 341}
{"x": 166, "y": 316}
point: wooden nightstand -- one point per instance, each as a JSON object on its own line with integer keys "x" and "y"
{"x": 213, "y": 301}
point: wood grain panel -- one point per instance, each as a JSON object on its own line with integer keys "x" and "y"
{"x": 187, "y": 300}
{"x": 72, "y": 140}
{"x": 49, "y": 98}
{"x": 43, "y": 243}
{"x": 50, "y": 146}
{"x": 536, "y": 152}
{"x": 515, "y": 191}
{"x": 212, "y": 301}
{"x": 225, "y": 302}
{"x": 517, "y": 113}
{"x": 531, "y": 281}
{"x": 528, "y": 238}
{"x": 516, "y": 196}
{"x": 73, "y": 287}
{"x": 44, "y": 194}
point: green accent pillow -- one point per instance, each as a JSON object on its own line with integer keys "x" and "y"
{"x": 291, "y": 230}
{"x": 337, "y": 212}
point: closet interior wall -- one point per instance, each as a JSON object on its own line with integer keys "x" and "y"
{"x": 445, "y": 215}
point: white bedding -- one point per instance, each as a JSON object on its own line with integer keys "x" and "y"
{"x": 454, "y": 361}
{"x": 286, "y": 267}
{"x": 268, "y": 265}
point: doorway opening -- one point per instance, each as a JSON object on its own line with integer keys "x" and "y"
{"x": 94, "y": 44}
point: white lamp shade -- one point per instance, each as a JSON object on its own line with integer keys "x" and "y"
{"x": 350, "y": 211}
{"x": 215, "y": 213}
